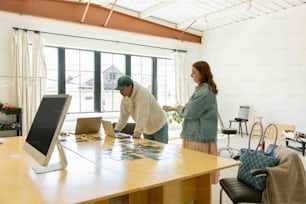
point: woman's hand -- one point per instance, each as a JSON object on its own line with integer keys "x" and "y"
{"x": 167, "y": 108}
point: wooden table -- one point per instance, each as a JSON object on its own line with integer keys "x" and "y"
{"x": 92, "y": 177}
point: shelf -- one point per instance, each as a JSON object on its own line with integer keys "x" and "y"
{"x": 11, "y": 111}
{"x": 6, "y": 129}
{"x": 17, "y": 124}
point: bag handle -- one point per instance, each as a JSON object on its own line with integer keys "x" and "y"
{"x": 271, "y": 125}
{"x": 262, "y": 135}
{"x": 251, "y": 133}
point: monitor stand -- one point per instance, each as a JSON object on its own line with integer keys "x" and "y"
{"x": 56, "y": 166}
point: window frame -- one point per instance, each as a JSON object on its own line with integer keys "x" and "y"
{"x": 97, "y": 73}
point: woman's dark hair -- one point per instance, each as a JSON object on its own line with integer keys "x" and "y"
{"x": 207, "y": 76}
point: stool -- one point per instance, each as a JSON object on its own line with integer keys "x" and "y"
{"x": 257, "y": 130}
{"x": 228, "y": 132}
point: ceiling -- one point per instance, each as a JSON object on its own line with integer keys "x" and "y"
{"x": 196, "y": 16}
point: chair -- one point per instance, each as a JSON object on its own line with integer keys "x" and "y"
{"x": 243, "y": 117}
{"x": 129, "y": 128}
{"x": 240, "y": 192}
{"x": 278, "y": 178}
{"x": 228, "y": 132}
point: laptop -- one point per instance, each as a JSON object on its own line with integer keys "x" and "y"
{"x": 88, "y": 125}
{"x": 109, "y": 130}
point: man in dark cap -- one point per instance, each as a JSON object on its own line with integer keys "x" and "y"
{"x": 142, "y": 106}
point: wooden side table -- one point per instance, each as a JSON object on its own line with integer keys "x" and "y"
{"x": 280, "y": 128}
{"x": 257, "y": 129}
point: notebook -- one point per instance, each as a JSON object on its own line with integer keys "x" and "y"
{"x": 109, "y": 130}
{"x": 88, "y": 125}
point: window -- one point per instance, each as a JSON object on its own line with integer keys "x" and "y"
{"x": 141, "y": 71}
{"x": 166, "y": 82}
{"x": 113, "y": 66}
{"x": 91, "y": 77}
{"x": 79, "y": 72}
{"x": 51, "y": 58}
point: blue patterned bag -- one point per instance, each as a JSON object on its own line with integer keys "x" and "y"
{"x": 255, "y": 159}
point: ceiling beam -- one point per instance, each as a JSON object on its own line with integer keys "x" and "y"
{"x": 85, "y": 12}
{"x": 147, "y": 12}
{"x": 58, "y": 9}
{"x": 243, "y": 5}
{"x": 186, "y": 29}
{"x": 110, "y": 13}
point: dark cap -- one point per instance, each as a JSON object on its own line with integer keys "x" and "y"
{"x": 123, "y": 81}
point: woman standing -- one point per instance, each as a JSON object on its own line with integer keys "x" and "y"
{"x": 200, "y": 113}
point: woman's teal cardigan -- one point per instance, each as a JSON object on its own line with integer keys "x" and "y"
{"x": 200, "y": 116}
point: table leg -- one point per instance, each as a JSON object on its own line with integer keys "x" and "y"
{"x": 196, "y": 190}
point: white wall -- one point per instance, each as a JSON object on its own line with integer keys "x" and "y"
{"x": 9, "y": 20}
{"x": 261, "y": 63}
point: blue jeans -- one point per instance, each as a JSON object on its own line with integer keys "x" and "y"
{"x": 160, "y": 136}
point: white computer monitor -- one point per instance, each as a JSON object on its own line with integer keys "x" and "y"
{"x": 44, "y": 132}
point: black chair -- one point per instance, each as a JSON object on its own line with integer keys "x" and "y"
{"x": 228, "y": 132}
{"x": 290, "y": 168}
{"x": 243, "y": 117}
{"x": 240, "y": 192}
{"x": 129, "y": 128}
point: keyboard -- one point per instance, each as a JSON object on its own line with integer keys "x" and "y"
{"x": 122, "y": 135}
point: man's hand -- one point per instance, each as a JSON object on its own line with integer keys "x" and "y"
{"x": 136, "y": 136}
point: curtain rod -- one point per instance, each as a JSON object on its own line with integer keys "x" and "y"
{"x": 100, "y": 39}
{"x": 7, "y": 76}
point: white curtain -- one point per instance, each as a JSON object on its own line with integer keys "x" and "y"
{"x": 39, "y": 73}
{"x": 28, "y": 87}
{"x": 182, "y": 77}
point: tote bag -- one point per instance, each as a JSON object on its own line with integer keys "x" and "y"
{"x": 256, "y": 159}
